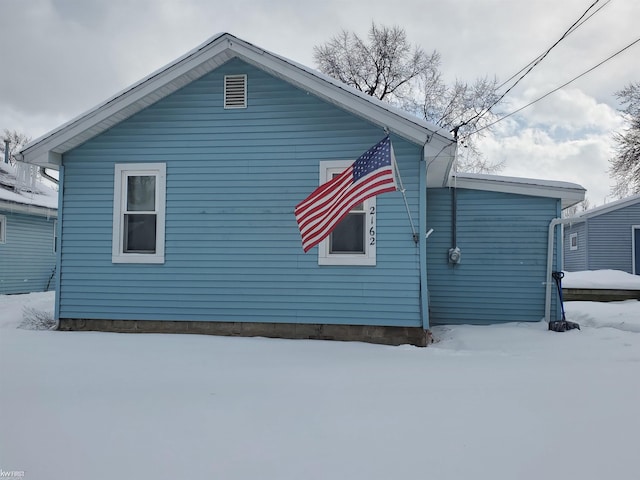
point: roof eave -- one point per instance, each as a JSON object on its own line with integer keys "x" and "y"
{"x": 569, "y": 194}
{"x": 28, "y": 209}
{"x": 47, "y": 150}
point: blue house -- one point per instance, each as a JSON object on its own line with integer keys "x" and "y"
{"x": 28, "y": 213}
{"x": 177, "y": 199}
{"x": 605, "y": 238}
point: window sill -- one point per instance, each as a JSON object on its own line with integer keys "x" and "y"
{"x": 348, "y": 260}
{"x": 137, "y": 258}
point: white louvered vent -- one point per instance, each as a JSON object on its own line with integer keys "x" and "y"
{"x": 235, "y": 91}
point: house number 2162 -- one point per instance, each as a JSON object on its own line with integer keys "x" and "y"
{"x": 372, "y": 225}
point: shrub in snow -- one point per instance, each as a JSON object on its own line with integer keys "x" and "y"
{"x": 34, "y": 319}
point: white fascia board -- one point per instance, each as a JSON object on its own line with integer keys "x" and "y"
{"x": 609, "y": 207}
{"x": 569, "y": 193}
{"x": 27, "y": 209}
{"x": 145, "y": 91}
{"x": 340, "y": 95}
{"x": 47, "y": 149}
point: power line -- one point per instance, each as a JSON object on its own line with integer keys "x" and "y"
{"x": 555, "y": 89}
{"x": 536, "y": 62}
{"x": 539, "y": 57}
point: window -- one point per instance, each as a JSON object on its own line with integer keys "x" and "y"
{"x": 235, "y": 91}
{"x": 353, "y": 241}
{"x": 573, "y": 241}
{"x": 3, "y": 228}
{"x": 138, "y": 213}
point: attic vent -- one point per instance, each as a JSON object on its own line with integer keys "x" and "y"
{"x": 235, "y": 91}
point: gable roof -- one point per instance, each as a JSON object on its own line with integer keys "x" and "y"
{"x": 610, "y": 207}
{"x": 569, "y": 193}
{"x": 439, "y": 146}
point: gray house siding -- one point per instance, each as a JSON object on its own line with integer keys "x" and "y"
{"x": 27, "y": 257}
{"x": 604, "y": 240}
{"x": 232, "y": 249}
{"x": 503, "y": 239}
{"x": 610, "y": 239}
{"x": 575, "y": 260}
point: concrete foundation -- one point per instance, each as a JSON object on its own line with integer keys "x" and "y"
{"x": 348, "y": 333}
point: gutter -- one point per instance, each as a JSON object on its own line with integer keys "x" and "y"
{"x": 549, "y": 281}
{"x": 44, "y": 174}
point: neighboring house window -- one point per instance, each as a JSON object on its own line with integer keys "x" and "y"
{"x": 353, "y": 242}
{"x": 3, "y": 229}
{"x": 235, "y": 91}
{"x": 573, "y": 241}
{"x": 138, "y": 213}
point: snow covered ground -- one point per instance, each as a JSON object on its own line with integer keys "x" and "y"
{"x": 606, "y": 279}
{"x": 501, "y": 402}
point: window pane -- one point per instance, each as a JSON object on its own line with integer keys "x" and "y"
{"x": 348, "y": 236}
{"x": 141, "y": 193}
{"x": 140, "y": 233}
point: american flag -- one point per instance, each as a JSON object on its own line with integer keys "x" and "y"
{"x": 370, "y": 175}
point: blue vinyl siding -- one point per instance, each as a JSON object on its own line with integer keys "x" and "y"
{"x": 575, "y": 260}
{"x": 610, "y": 239}
{"x": 232, "y": 247}
{"x": 27, "y": 259}
{"x": 503, "y": 239}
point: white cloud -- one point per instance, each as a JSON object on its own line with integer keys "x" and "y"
{"x": 533, "y": 153}
{"x": 66, "y": 56}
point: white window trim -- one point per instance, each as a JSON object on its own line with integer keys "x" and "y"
{"x": 122, "y": 170}
{"x": 3, "y": 229}
{"x": 362, "y": 259}
{"x": 571, "y": 245}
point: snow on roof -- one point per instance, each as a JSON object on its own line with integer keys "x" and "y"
{"x": 17, "y": 199}
{"x": 601, "y": 279}
{"x": 609, "y": 207}
{"x": 570, "y": 193}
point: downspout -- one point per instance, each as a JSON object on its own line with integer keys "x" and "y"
{"x": 56, "y": 314}
{"x": 549, "y": 281}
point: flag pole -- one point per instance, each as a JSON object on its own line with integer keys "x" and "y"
{"x": 403, "y": 191}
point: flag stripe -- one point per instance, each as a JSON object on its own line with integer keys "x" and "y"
{"x": 350, "y": 198}
{"x": 321, "y": 231}
{"x": 321, "y": 203}
{"x": 352, "y": 201}
{"x": 371, "y": 174}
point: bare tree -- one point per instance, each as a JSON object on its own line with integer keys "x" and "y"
{"x": 579, "y": 207}
{"x": 16, "y": 141}
{"x": 382, "y": 68}
{"x": 389, "y": 68}
{"x": 624, "y": 167}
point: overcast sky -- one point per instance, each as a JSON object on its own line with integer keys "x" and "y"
{"x": 62, "y": 57}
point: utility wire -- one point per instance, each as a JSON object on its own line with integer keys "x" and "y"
{"x": 539, "y": 57}
{"x": 564, "y": 35}
{"x": 554, "y": 90}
